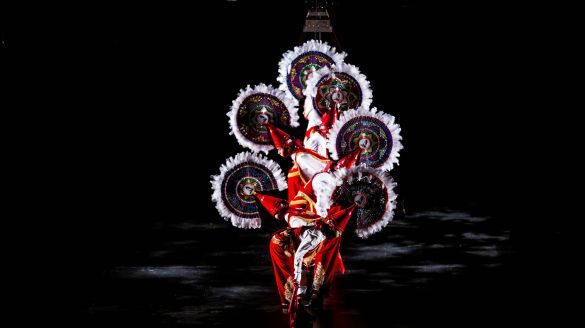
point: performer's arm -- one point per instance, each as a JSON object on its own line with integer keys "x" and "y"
{"x": 312, "y": 116}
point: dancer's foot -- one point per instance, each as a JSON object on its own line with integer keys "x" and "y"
{"x": 284, "y": 308}
{"x": 316, "y": 300}
{"x": 304, "y": 300}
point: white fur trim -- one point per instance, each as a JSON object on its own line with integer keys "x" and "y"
{"x": 249, "y": 91}
{"x": 364, "y": 172}
{"x": 311, "y": 89}
{"x": 324, "y": 184}
{"x": 284, "y": 66}
{"x": 216, "y": 181}
{"x": 388, "y": 119}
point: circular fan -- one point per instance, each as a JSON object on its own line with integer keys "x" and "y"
{"x": 255, "y": 107}
{"x": 373, "y": 192}
{"x": 373, "y": 131}
{"x": 297, "y": 65}
{"x": 234, "y": 187}
{"x": 343, "y": 85}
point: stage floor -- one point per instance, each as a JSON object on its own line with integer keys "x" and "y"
{"x": 427, "y": 268}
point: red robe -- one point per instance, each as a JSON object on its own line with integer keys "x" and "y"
{"x": 284, "y": 242}
{"x": 295, "y": 181}
{"x": 325, "y": 259}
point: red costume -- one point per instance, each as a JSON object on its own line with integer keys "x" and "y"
{"x": 340, "y": 126}
{"x": 311, "y": 239}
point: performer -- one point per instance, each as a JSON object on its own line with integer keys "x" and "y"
{"x": 302, "y": 236}
{"x": 305, "y": 241}
{"x": 306, "y": 216}
{"x": 326, "y": 187}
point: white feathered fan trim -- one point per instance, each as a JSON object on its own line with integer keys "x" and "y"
{"x": 388, "y": 215}
{"x": 388, "y": 119}
{"x": 324, "y": 184}
{"x": 216, "y": 181}
{"x": 284, "y": 66}
{"x": 260, "y": 88}
{"x": 311, "y": 89}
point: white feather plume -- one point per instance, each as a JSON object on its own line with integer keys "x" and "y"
{"x": 284, "y": 66}
{"x": 324, "y": 184}
{"x": 386, "y": 118}
{"x": 249, "y": 91}
{"x": 216, "y": 182}
{"x": 311, "y": 90}
{"x": 363, "y": 172}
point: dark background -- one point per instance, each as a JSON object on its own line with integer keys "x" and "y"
{"x": 154, "y": 83}
{"x": 157, "y": 80}
{"x": 148, "y": 87}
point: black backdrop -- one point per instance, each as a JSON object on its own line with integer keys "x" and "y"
{"x": 158, "y": 81}
{"x": 149, "y": 86}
